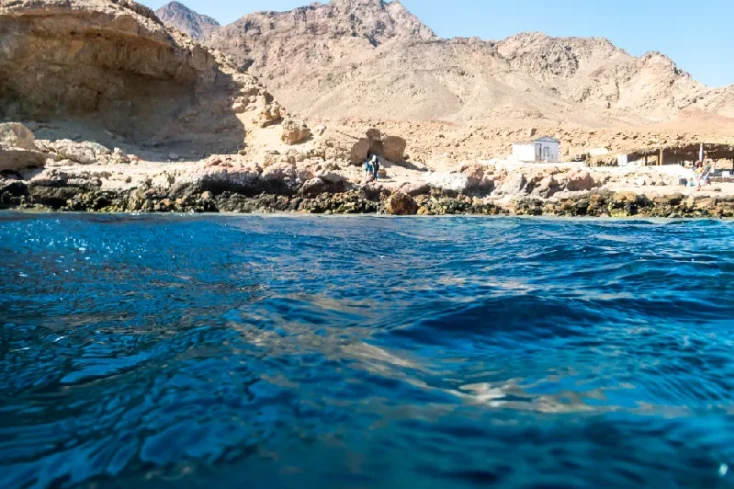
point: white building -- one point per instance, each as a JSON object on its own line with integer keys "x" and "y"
{"x": 543, "y": 150}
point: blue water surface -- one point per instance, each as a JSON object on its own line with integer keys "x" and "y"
{"x": 279, "y": 352}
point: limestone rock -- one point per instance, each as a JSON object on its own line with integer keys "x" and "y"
{"x": 580, "y": 180}
{"x": 16, "y": 159}
{"x": 85, "y": 153}
{"x": 294, "y": 132}
{"x": 18, "y": 150}
{"x": 547, "y": 187}
{"x": 359, "y": 151}
{"x": 416, "y": 189}
{"x": 401, "y": 204}
{"x": 270, "y": 114}
{"x": 304, "y": 174}
{"x": 478, "y": 177}
{"x": 513, "y": 185}
{"x": 17, "y": 135}
{"x": 279, "y": 172}
{"x": 455, "y": 182}
{"x": 394, "y": 149}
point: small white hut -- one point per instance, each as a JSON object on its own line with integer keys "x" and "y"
{"x": 542, "y": 150}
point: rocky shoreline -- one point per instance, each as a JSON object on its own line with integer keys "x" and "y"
{"x": 367, "y": 199}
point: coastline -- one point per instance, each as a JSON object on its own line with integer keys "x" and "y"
{"x": 192, "y": 198}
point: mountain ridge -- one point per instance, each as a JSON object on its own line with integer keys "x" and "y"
{"x": 189, "y": 22}
{"x": 370, "y": 58}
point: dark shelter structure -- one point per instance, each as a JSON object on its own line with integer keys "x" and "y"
{"x": 669, "y": 155}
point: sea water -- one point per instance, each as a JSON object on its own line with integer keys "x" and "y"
{"x": 254, "y": 352}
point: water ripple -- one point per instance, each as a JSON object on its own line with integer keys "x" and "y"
{"x": 200, "y": 352}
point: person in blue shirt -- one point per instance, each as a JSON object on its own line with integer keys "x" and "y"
{"x": 375, "y": 164}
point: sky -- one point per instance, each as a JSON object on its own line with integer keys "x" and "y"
{"x": 698, "y": 36}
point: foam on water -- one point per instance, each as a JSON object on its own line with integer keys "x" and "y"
{"x": 228, "y": 352}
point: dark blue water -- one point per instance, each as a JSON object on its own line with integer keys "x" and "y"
{"x": 227, "y": 352}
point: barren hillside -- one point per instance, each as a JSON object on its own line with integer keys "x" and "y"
{"x": 372, "y": 59}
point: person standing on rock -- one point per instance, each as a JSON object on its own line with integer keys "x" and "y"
{"x": 368, "y": 168}
{"x": 376, "y": 166}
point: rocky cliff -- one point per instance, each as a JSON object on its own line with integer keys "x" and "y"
{"x": 114, "y": 68}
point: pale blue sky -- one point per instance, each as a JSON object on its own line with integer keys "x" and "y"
{"x": 697, "y": 35}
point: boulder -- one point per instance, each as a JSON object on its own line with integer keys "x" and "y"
{"x": 401, "y": 204}
{"x": 16, "y": 159}
{"x": 294, "y": 132}
{"x": 359, "y": 151}
{"x": 270, "y": 114}
{"x": 394, "y": 149}
{"x": 84, "y": 153}
{"x": 314, "y": 187}
{"x": 18, "y": 148}
{"x": 415, "y": 189}
{"x": 17, "y": 135}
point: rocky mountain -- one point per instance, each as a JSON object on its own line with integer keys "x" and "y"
{"x": 372, "y": 59}
{"x": 180, "y": 17}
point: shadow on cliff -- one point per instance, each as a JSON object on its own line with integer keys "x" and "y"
{"x": 162, "y": 120}
{"x": 148, "y": 97}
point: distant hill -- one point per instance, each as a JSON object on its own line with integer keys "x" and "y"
{"x": 180, "y": 17}
{"x": 372, "y": 59}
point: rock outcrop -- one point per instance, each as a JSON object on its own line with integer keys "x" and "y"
{"x": 112, "y": 65}
{"x": 294, "y": 132}
{"x": 18, "y": 149}
{"x": 401, "y": 204}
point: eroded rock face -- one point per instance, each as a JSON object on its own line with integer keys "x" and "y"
{"x": 113, "y": 64}
{"x": 580, "y": 180}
